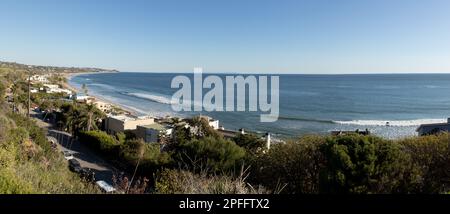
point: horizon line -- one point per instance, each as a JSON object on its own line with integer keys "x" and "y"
{"x": 223, "y": 72}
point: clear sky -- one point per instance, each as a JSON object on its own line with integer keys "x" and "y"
{"x": 298, "y": 36}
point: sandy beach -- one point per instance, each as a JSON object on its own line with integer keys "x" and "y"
{"x": 67, "y": 85}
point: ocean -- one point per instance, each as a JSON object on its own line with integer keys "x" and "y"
{"x": 309, "y": 104}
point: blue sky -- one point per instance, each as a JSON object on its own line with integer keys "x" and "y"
{"x": 299, "y": 36}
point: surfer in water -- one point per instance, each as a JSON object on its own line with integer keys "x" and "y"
{"x": 387, "y": 124}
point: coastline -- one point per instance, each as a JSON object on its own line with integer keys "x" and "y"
{"x": 67, "y": 85}
{"x": 292, "y": 122}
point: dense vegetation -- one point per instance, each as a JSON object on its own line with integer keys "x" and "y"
{"x": 200, "y": 160}
{"x": 127, "y": 152}
{"x": 357, "y": 164}
{"x": 28, "y": 164}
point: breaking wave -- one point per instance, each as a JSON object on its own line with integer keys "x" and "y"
{"x": 162, "y": 99}
{"x": 397, "y": 123}
{"x": 304, "y": 119}
{"x": 151, "y": 97}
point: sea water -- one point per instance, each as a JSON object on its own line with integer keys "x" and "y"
{"x": 389, "y": 105}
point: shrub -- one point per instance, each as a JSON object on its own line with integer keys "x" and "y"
{"x": 152, "y": 158}
{"x": 431, "y": 156}
{"x": 11, "y": 184}
{"x": 364, "y": 164}
{"x": 23, "y": 171}
{"x": 250, "y": 142}
{"x": 213, "y": 154}
{"x": 36, "y": 133}
{"x": 100, "y": 141}
{"x": 185, "y": 182}
{"x": 292, "y": 167}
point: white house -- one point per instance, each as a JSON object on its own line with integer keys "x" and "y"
{"x": 38, "y": 78}
{"x": 151, "y": 133}
{"x": 434, "y": 128}
{"x": 82, "y": 98}
{"x": 121, "y": 123}
{"x": 103, "y": 106}
{"x": 51, "y": 86}
{"x": 213, "y": 123}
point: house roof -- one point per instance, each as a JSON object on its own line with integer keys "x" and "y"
{"x": 155, "y": 126}
{"x": 432, "y": 124}
{"x": 125, "y": 118}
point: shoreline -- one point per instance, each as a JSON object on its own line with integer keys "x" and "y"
{"x": 67, "y": 85}
{"x": 396, "y": 129}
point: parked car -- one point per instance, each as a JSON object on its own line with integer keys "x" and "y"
{"x": 68, "y": 155}
{"x": 105, "y": 187}
{"x": 74, "y": 166}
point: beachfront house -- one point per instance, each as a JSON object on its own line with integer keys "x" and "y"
{"x": 50, "y": 89}
{"x": 38, "y": 78}
{"x": 152, "y": 133}
{"x": 83, "y": 98}
{"x": 122, "y": 123}
{"x": 357, "y": 131}
{"x": 212, "y": 122}
{"x": 51, "y": 86}
{"x": 103, "y": 106}
{"x": 434, "y": 128}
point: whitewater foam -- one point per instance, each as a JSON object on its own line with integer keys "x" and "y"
{"x": 160, "y": 99}
{"x": 398, "y": 123}
{"x": 151, "y": 97}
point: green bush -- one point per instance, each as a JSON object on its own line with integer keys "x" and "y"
{"x": 292, "y": 167}
{"x": 24, "y": 168}
{"x": 352, "y": 164}
{"x": 11, "y": 184}
{"x": 2, "y": 91}
{"x": 152, "y": 158}
{"x": 214, "y": 154}
{"x": 431, "y": 157}
{"x": 100, "y": 141}
{"x": 365, "y": 164}
{"x": 36, "y": 133}
{"x": 250, "y": 142}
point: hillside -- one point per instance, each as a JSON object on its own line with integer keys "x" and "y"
{"x": 39, "y": 69}
{"x": 28, "y": 163}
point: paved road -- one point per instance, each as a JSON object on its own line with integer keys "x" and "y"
{"x": 87, "y": 158}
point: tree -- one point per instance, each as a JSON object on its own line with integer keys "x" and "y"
{"x": 211, "y": 154}
{"x": 431, "y": 157}
{"x": 250, "y": 142}
{"x": 80, "y": 117}
{"x": 364, "y": 164}
{"x": 200, "y": 128}
{"x": 47, "y": 106}
{"x": 293, "y": 167}
{"x": 90, "y": 112}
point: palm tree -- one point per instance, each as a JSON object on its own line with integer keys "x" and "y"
{"x": 90, "y": 113}
{"x": 72, "y": 118}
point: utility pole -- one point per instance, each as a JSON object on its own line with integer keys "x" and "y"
{"x": 29, "y": 93}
